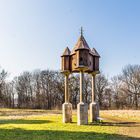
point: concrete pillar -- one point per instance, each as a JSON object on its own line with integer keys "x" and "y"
{"x": 94, "y": 107}
{"x": 67, "y": 112}
{"x": 67, "y": 107}
{"x": 82, "y": 108}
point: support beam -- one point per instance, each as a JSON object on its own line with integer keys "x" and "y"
{"x": 94, "y": 108}
{"x": 93, "y": 87}
{"x": 67, "y": 106}
{"x": 82, "y": 108}
{"x": 66, "y": 87}
{"x": 81, "y": 86}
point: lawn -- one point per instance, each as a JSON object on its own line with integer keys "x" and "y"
{"x": 16, "y": 124}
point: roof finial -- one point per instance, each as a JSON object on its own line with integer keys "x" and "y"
{"x": 81, "y": 31}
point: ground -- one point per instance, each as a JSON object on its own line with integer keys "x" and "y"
{"x": 16, "y": 124}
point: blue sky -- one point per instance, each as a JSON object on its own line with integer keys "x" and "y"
{"x": 34, "y": 33}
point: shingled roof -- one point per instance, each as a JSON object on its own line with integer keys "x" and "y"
{"x": 95, "y": 53}
{"x": 81, "y": 44}
{"x": 66, "y": 52}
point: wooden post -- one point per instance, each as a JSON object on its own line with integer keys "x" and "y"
{"x": 66, "y": 87}
{"x": 94, "y": 108}
{"x": 93, "y": 87}
{"x": 81, "y": 85}
{"x": 67, "y": 106}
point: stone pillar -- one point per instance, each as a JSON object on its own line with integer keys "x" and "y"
{"x": 82, "y": 108}
{"x": 94, "y": 107}
{"x": 67, "y": 107}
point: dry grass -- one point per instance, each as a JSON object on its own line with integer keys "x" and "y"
{"x": 128, "y": 120}
{"x": 130, "y": 115}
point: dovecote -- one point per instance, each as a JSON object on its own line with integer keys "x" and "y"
{"x": 80, "y": 58}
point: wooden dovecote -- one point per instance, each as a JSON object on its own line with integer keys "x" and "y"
{"x": 80, "y": 58}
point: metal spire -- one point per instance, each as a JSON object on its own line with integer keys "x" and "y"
{"x": 81, "y": 31}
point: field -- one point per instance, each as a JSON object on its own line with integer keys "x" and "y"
{"x": 16, "y": 124}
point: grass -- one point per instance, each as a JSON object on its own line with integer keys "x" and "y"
{"x": 16, "y": 124}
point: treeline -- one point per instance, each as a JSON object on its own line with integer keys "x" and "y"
{"x": 45, "y": 90}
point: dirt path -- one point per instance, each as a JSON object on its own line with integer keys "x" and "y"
{"x": 128, "y": 122}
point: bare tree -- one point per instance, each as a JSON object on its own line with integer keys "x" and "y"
{"x": 45, "y": 89}
{"x": 131, "y": 83}
{"x": 101, "y": 85}
{"x": 3, "y": 97}
{"x": 74, "y": 90}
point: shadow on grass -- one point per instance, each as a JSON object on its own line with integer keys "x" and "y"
{"x": 121, "y": 124}
{"x": 21, "y": 121}
{"x": 21, "y": 134}
{"x": 23, "y": 112}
